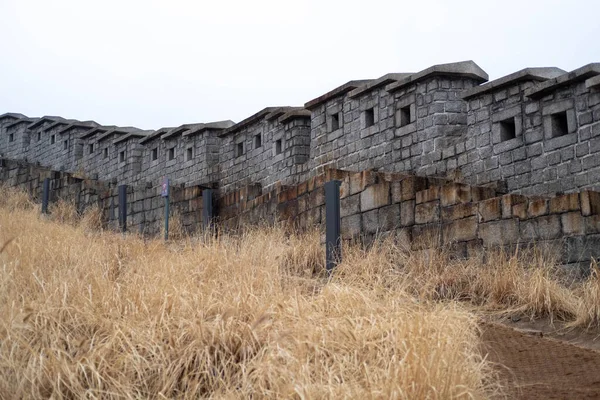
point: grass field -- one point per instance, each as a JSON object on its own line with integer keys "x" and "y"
{"x": 86, "y": 313}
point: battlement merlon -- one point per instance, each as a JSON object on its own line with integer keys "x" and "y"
{"x": 462, "y": 69}
{"x": 577, "y": 75}
{"x": 526, "y": 74}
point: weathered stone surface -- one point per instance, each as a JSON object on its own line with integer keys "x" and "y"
{"x": 412, "y": 185}
{"x": 482, "y": 193}
{"x": 315, "y": 216}
{"x": 582, "y": 248}
{"x": 541, "y": 228}
{"x": 459, "y": 211}
{"x": 455, "y": 193}
{"x": 590, "y": 203}
{"x": 426, "y": 213}
{"x": 407, "y": 213}
{"x": 389, "y": 217}
{"x": 350, "y": 205}
{"x": 520, "y": 210}
{"x": 572, "y": 223}
{"x": 375, "y": 196}
{"x": 592, "y": 224}
{"x": 426, "y": 236}
{"x": 396, "y": 191}
{"x": 499, "y": 233}
{"x": 428, "y": 195}
{"x": 537, "y": 208}
{"x": 461, "y": 230}
{"x": 351, "y": 226}
{"x": 490, "y": 210}
{"x": 564, "y": 203}
{"x": 370, "y": 222}
{"x": 359, "y": 181}
{"x": 508, "y": 201}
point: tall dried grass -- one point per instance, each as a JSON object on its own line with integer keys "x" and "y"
{"x": 99, "y": 315}
{"x": 16, "y": 199}
{"x": 89, "y": 313}
{"x": 588, "y": 312}
{"x": 524, "y": 283}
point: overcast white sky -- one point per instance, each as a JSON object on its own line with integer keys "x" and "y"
{"x": 154, "y": 63}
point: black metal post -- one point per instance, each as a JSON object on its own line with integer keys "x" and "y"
{"x": 333, "y": 242}
{"x": 207, "y": 209}
{"x": 46, "y": 196}
{"x": 123, "y": 208}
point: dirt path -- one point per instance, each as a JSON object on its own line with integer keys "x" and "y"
{"x": 542, "y": 368}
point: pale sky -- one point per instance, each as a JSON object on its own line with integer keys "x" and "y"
{"x": 153, "y": 64}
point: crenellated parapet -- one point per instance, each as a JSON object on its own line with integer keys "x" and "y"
{"x": 535, "y": 131}
{"x": 269, "y": 147}
{"x": 188, "y": 154}
{"x": 399, "y": 122}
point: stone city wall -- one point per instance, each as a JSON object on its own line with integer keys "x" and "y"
{"x": 532, "y": 132}
{"x": 145, "y": 206}
{"x": 420, "y": 212}
{"x": 424, "y": 212}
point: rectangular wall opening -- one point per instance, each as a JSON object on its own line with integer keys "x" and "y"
{"x": 369, "y": 117}
{"x": 122, "y": 156}
{"x": 52, "y": 139}
{"x": 39, "y": 136}
{"x": 189, "y": 154}
{"x": 335, "y": 122}
{"x": 257, "y": 141}
{"x": 106, "y": 153}
{"x": 560, "y": 126}
{"x": 155, "y": 154}
{"x": 172, "y": 153}
{"x": 90, "y": 148}
{"x": 65, "y": 145}
{"x": 278, "y": 146}
{"x": 405, "y": 116}
{"x": 11, "y": 137}
{"x": 239, "y": 149}
{"x": 508, "y": 130}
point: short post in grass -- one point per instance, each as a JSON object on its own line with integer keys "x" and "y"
{"x": 165, "y": 192}
{"x": 45, "y": 195}
{"x": 207, "y": 209}
{"x": 123, "y": 208}
{"x": 333, "y": 243}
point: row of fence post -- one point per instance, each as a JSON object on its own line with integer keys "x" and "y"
{"x": 207, "y": 201}
{"x": 333, "y": 248}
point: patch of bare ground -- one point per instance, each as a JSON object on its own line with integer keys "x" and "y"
{"x": 534, "y": 366}
{"x": 557, "y": 330}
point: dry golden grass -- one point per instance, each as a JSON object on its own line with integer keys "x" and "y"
{"x": 16, "y": 199}
{"x": 97, "y": 315}
{"x": 523, "y": 283}
{"x": 588, "y": 312}
{"x": 176, "y": 229}
{"x": 89, "y": 313}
